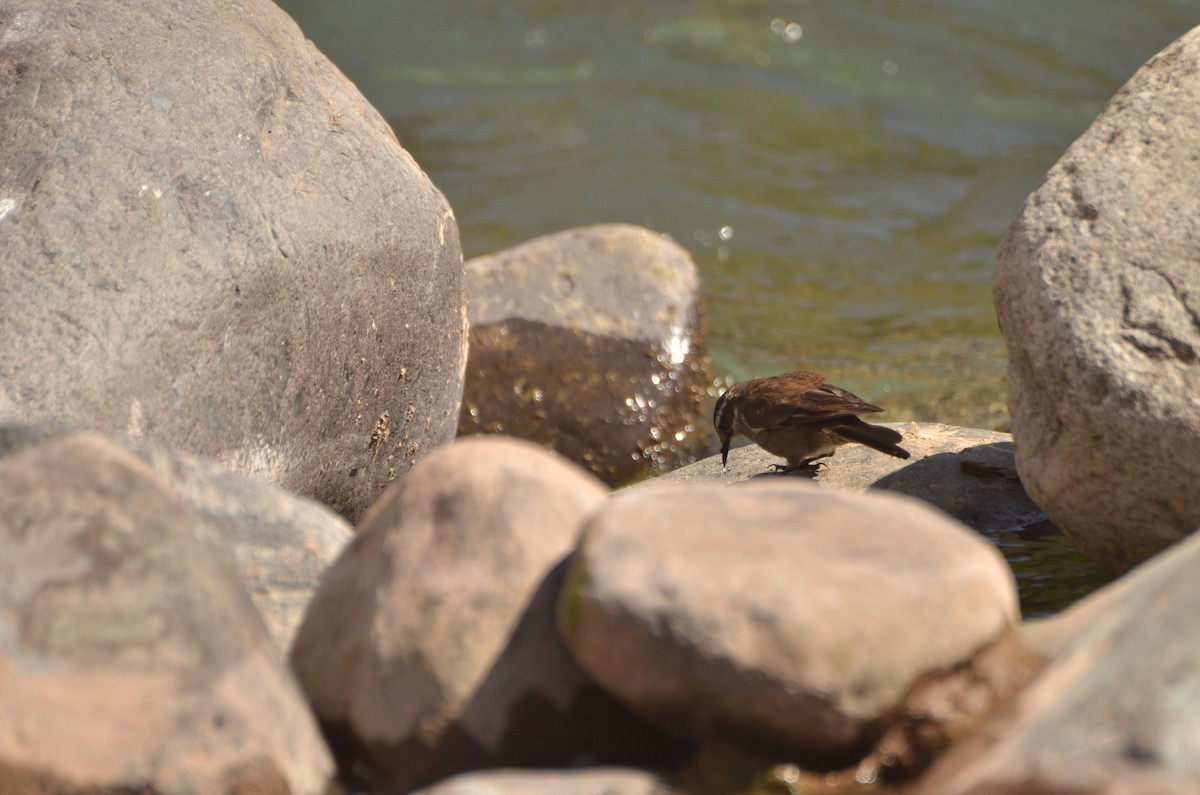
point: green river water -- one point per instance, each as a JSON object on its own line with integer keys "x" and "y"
{"x": 842, "y": 172}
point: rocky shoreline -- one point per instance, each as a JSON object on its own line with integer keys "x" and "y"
{"x": 242, "y": 551}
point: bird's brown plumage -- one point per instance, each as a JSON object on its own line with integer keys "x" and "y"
{"x": 800, "y": 418}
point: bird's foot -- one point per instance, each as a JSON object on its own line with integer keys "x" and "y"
{"x": 806, "y": 468}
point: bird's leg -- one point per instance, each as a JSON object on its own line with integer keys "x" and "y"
{"x": 805, "y": 467}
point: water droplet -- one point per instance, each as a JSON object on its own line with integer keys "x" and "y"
{"x": 793, "y": 32}
{"x": 726, "y": 233}
{"x": 537, "y": 38}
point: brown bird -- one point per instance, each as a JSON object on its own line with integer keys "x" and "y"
{"x": 799, "y": 417}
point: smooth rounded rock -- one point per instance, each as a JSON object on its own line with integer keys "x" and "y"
{"x": 131, "y": 659}
{"x": 430, "y": 648}
{"x": 588, "y": 342}
{"x": 778, "y": 616}
{"x": 1098, "y": 297}
{"x": 214, "y": 243}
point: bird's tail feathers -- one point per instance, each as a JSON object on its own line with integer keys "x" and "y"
{"x": 877, "y": 437}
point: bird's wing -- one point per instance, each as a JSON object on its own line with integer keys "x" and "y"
{"x": 808, "y": 403}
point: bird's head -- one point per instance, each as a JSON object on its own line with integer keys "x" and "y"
{"x": 723, "y": 422}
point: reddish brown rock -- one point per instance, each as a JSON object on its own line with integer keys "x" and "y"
{"x": 131, "y": 659}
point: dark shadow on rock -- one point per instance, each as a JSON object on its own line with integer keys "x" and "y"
{"x": 978, "y": 486}
{"x": 614, "y": 406}
{"x": 16, "y": 437}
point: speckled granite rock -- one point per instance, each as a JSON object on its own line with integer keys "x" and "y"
{"x": 281, "y": 544}
{"x": 1098, "y": 297}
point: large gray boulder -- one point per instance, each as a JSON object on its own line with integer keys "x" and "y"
{"x": 589, "y": 342}
{"x": 1097, "y": 291}
{"x": 131, "y": 659}
{"x": 430, "y": 647}
{"x": 1114, "y": 710}
{"x": 212, "y": 241}
{"x": 781, "y": 617}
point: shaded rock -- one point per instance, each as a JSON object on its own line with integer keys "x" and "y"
{"x": 778, "y": 616}
{"x": 130, "y": 657}
{"x": 588, "y": 342}
{"x": 281, "y": 544}
{"x": 430, "y": 648}
{"x": 1115, "y": 708}
{"x": 588, "y": 781}
{"x": 234, "y": 259}
{"x": 1098, "y": 298}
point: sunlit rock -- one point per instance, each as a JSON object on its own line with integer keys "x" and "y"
{"x": 781, "y": 617}
{"x": 281, "y": 544}
{"x": 1097, "y": 292}
{"x": 131, "y": 658}
{"x": 585, "y": 781}
{"x": 213, "y": 242}
{"x": 430, "y": 648}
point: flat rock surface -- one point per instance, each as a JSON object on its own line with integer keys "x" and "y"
{"x": 1098, "y": 298}
{"x": 966, "y": 472}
